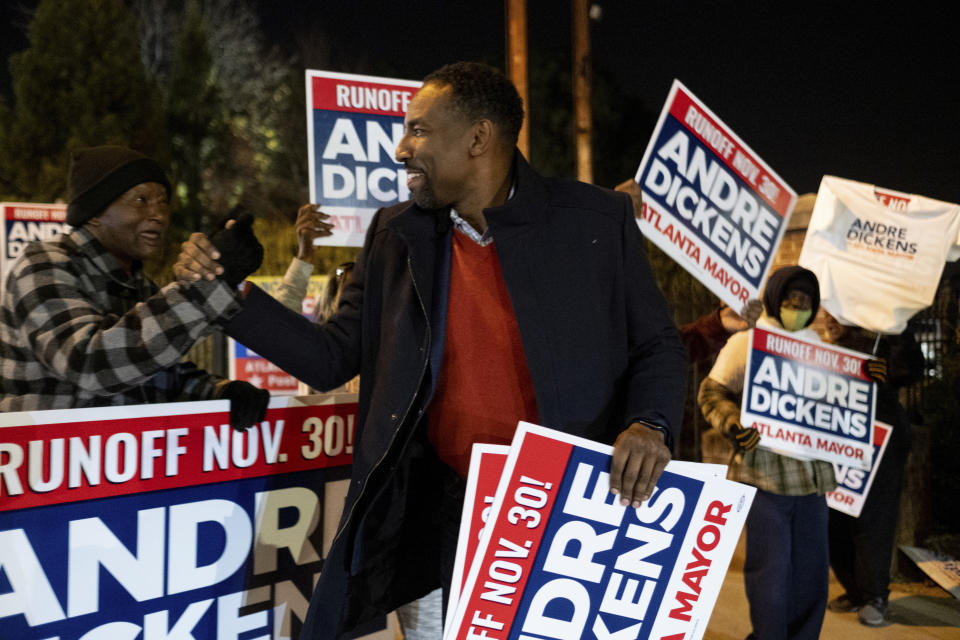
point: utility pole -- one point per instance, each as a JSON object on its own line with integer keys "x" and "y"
{"x": 517, "y": 63}
{"x": 581, "y": 89}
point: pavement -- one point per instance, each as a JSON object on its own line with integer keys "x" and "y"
{"x": 917, "y": 611}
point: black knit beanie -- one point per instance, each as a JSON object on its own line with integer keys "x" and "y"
{"x": 100, "y": 175}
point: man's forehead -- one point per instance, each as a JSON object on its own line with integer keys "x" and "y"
{"x": 430, "y": 100}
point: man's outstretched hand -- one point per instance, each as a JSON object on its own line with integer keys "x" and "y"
{"x": 233, "y": 252}
{"x": 639, "y": 457}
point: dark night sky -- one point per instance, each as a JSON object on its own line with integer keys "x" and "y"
{"x": 842, "y": 88}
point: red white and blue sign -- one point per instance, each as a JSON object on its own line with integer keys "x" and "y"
{"x": 247, "y": 365}
{"x": 486, "y": 468}
{"x": 853, "y": 483}
{"x": 159, "y": 521}
{"x": 809, "y": 400}
{"x": 710, "y": 202}
{"x": 25, "y": 222}
{"x": 560, "y": 557}
{"x": 354, "y": 124}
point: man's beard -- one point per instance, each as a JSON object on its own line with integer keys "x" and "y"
{"x": 424, "y": 197}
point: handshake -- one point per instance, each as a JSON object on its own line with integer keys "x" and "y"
{"x": 232, "y": 251}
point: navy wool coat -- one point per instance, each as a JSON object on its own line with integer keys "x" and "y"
{"x": 600, "y": 345}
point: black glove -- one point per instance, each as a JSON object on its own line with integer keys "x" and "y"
{"x": 744, "y": 438}
{"x": 240, "y": 251}
{"x": 876, "y": 369}
{"x": 248, "y": 404}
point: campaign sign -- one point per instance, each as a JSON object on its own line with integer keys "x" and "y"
{"x": 245, "y": 364}
{"x": 486, "y": 471}
{"x": 942, "y": 568}
{"x": 809, "y": 400}
{"x": 486, "y": 467}
{"x": 878, "y": 254}
{"x": 853, "y": 483}
{"x": 25, "y": 222}
{"x": 560, "y": 557}
{"x": 709, "y": 202}
{"x": 354, "y": 124}
{"x": 160, "y": 521}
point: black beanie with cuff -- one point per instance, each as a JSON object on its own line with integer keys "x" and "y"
{"x": 100, "y": 175}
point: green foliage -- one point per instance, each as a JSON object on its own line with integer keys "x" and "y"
{"x": 234, "y": 115}
{"x": 686, "y": 297}
{"x": 193, "y": 105}
{"x": 80, "y": 83}
{"x": 233, "y": 112}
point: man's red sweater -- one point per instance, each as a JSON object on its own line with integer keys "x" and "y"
{"x": 484, "y": 385}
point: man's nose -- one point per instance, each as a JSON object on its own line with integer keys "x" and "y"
{"x": 159, "y": 210}
{"x": 403, "y": 150}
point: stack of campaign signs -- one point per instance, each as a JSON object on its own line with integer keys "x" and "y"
{"x": 546, "y": 551}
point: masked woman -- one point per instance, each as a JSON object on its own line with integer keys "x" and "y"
{"x": 786, "y": 571}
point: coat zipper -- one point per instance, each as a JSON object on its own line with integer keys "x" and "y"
{"x": 423, "y": 371}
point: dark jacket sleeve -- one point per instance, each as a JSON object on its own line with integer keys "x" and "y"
{"x": 323, "y": 356}
{"x": 657, "y": 367}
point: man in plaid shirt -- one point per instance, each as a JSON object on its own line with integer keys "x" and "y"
{"x": 81, "y": 325}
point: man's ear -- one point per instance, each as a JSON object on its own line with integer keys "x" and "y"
{"x": 483, "y": 134}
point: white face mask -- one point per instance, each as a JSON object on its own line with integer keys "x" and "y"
{"x": 794, "y": 320}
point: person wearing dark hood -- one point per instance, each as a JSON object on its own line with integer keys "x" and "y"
{"x": 786, "y": 571}
{"x": 81, "y": 325}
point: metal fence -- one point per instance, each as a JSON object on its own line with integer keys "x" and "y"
{"x": 938, "y": 332}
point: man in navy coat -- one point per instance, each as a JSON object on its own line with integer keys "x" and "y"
{"x": 495, "y": 295}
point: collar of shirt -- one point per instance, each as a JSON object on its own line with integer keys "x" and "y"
{"x": 466, "y": 228}
{"x": 482, "y": 239}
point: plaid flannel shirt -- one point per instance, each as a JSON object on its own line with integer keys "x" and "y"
{"x": 77, "y": 330}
